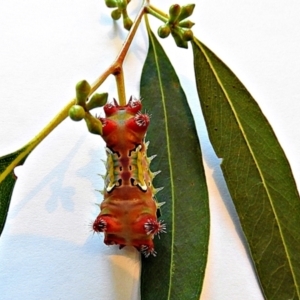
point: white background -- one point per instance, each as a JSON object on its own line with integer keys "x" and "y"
{"x": 47, "y": 250}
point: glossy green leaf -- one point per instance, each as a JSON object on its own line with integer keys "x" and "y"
{"x": 8, "y": 180}
{"x": 178, "y": 269}
{"x": 257, "y": 174}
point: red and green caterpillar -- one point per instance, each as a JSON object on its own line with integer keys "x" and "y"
{"x": 128, "y": 211}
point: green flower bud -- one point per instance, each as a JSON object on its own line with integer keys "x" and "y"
{"x": 164, "y": 31}
{"x": 116, "y": 14}
{"x": 174, "y": 12}
{"x": 127, "y": 23}
{"x": 94, "y": 125}
{"x": 186, "y": 24}
{"x": 97, "y": 100}
{"x": 122, "y": 4}
{"x": 82, "y": 92}
{"x": 77, "y": 113}
{"x": 188, "y": 35}
{"x": 186, "y": 11}
{"x": 111, "y": 3}
{"x": 177, "y": 34}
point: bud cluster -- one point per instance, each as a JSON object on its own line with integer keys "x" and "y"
{"x": 177, "y": 25}
{"x": 120, "y": 10}
{"x": 83, "y": 105}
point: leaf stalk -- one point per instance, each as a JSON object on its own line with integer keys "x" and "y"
{"x": 157, "y": 13}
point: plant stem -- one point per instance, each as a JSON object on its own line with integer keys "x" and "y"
{"x": 157, "y": 13}
{"x": 121, "y": 87}
{"x": 117, "y": 67}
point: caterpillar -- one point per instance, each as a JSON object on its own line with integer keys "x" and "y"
{"x": 128, "y": 212}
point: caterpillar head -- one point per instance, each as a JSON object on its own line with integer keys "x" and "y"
{"x": 132, "y": 107}
{"x": 124, "y": 123}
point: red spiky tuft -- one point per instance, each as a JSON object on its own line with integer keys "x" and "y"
{"x": 154, "y": 227}
{"x": 111, "y": 108}
{"x": 109, "y": 126}
{"x": 99, "y": 225}
{"x": 133, "y": 106}
{"x": 139, "y": 123}
{"x": 147, "y": 251}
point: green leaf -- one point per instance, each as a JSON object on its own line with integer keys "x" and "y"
{"x": 8, "y": 180}
{"x": 257, "y": 173}
{"x": 178, "y": 269}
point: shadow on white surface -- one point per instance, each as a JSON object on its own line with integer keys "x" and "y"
{"x": 46, "y": 268}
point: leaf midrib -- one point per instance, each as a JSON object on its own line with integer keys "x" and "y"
{"x": 169, "y": 156}
{"x": 255, "y": 160}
